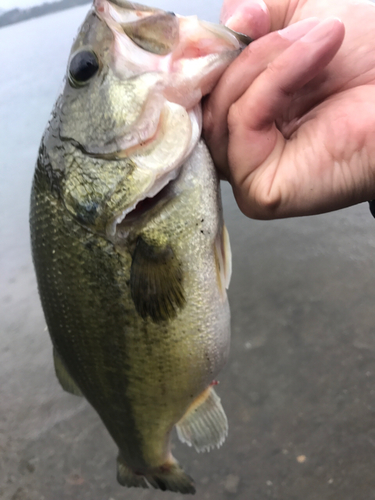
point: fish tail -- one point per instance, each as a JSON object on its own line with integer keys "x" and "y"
{"x": 168, "y": 477}
{"x": 171, "y": 477}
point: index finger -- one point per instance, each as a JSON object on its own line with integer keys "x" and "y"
{"x": 235, "y": 82}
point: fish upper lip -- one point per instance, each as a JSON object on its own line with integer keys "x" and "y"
{"x": 115, "y": 154}
{"x": 131, "y": 141}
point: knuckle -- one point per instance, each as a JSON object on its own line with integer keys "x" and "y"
{"x": 273, "y": 69}
{"x": 260, "y": 202}
{"x": 267, "y": 202}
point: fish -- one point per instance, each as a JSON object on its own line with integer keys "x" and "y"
{"x": 129, "y": 246}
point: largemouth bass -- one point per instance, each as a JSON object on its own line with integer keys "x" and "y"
{"x": 130, "y": 250}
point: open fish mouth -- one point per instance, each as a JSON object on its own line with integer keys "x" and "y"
{"x": 190, "y": 54}
{"x": 178, "y": 137}
{"x": 160, "y": 66}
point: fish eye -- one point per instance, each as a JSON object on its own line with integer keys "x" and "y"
{"x": 171, "y": 13}
{"x": 83, "y": 66}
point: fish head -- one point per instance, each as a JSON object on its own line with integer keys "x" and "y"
{"x": 130, "y": 115}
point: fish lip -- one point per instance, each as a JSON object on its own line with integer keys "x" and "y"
{"x": 116, "y": 153}
{"x": 119, "y": 153}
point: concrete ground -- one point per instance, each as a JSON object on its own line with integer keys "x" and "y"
{"x": 299, "y": 388}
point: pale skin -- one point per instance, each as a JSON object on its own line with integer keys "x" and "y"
{"x": 291, "y": 123}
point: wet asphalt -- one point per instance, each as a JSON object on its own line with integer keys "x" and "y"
{"x": 299, "y": 387}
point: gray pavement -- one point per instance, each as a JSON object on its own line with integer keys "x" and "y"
{"x": 299, "y": 388}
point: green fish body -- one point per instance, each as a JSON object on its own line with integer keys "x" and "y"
{"x": 130, "y": 250}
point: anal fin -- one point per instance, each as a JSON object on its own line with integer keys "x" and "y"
{"x": 65, "y": 379}
{"x": 169, "y": 477}
{"x": 205, "y": 424}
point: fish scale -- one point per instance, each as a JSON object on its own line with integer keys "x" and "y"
{"x": 76, "y": 260}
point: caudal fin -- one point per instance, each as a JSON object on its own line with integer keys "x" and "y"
{"x": 126, "y": 477}
{"x": 169, "y": 477}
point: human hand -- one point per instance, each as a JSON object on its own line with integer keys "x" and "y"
{"x": 291, "y": 123}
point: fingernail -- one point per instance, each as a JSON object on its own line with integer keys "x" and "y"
{"x": 298, "y": 30}
{"x": 233, "y": 21}
{"x": 250, "y": 17}
{"x": 321, "y": 31}
{"x": 226, "y": 12}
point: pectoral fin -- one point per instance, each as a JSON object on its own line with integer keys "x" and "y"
{"x": 66, "y": 381}
{"x": 156, "y": 282}
{"x": 205, "y": 424}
